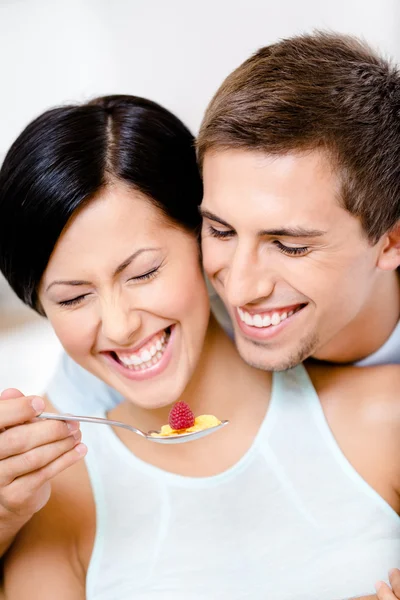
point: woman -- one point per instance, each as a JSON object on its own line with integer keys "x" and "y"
{"x": 107, "y": 195}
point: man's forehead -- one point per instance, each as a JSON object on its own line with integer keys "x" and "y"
{"x": 300, "y": 189}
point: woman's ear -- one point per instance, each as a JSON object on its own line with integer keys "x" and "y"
{"x": 389, "y": 256}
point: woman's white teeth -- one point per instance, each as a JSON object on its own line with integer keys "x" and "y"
{"x": 275, "y": 319}
{"x": 146, "y": 358}
{"x": 266, "y": 321}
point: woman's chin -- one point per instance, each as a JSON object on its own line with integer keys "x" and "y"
{"x": 159, "y": 397}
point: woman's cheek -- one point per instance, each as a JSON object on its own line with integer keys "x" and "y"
{"x": 74, "y": 333}
{"x": 186, "y": 291}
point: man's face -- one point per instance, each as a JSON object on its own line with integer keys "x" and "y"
{"x": 293, "y": 267}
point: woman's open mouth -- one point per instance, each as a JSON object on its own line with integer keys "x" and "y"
{"x": 150, "y": 359}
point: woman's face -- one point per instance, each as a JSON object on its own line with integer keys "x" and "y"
{"x": 125, "y": 294}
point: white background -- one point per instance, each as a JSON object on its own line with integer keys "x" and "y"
{"x": 176, "y": 52}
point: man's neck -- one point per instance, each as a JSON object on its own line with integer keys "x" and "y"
{"x": 371, "y": 328}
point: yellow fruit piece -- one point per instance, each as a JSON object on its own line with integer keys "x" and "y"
{"x": 166, "y": 430}
{"x": 200, "y": 423}
{"x": 206, "y": 421}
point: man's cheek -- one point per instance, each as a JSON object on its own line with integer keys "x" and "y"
{"x": 210, "y": 264}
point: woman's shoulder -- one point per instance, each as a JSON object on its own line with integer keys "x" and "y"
{"x": 368, "y": 396}
{"x": 362, "y": 388}
{"x": 362, "y": 407}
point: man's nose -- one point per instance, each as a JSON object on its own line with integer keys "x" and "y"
{"x": 120, "y": 321}
{"x": 247, "y": 281}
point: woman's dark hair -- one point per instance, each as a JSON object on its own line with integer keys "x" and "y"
{"x": 65, "y": 156}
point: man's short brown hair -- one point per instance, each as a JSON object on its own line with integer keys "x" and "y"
{"x": 312, "y": 92}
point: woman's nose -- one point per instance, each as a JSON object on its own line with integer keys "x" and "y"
{"x": 120, "y": 323}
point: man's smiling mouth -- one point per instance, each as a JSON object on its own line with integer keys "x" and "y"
{"x": 268, "y": 318}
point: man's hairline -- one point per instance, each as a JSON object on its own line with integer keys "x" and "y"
{"x": 215, "y": 148}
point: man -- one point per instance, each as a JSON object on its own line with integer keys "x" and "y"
{"x": 300, "y": 152}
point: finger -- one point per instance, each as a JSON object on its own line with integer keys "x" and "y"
{"x": 33, "y": 481}
{"x": 60, "y": 464}
{"x": 384, "y": 592}
{"x": 10, "y": 393}
{"x": 22, "y": 438}
{"x": 20, "y": 410}
{"x": 35, "y": 459}
{"x": 394, "y": 578}
{"x": 29, "y": 493}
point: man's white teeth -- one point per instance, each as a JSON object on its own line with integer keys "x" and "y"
{"x": 266, "y": 321}
{"x": 248, "y": 319}
{"x": 146, "y": 358}
{"x": 258, "y": 320}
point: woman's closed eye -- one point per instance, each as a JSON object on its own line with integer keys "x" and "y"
{"x": 73, "y": 301}
{"x": 144, "y": 277}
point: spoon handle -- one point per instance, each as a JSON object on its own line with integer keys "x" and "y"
{"x": 98, "y": 420}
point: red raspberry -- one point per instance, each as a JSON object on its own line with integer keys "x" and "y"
{"x": 180, "y": 416}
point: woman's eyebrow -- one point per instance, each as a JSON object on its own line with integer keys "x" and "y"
{"x": 118, "y": 270}
{"x": 131, "y": 258}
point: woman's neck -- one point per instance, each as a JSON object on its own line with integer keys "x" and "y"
{"x": 219, "y": 383}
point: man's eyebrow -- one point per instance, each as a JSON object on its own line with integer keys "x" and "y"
{"x": 206, "y": 214}
{"x": 117, "y": 271}
{"x": 295, "y": 232}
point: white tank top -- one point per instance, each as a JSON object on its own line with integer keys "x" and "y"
{"x": 292, "y": 520}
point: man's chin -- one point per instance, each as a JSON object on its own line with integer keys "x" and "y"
{"x": 269, "y": 359}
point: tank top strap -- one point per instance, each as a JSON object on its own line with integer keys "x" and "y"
{"x": 299, "y": 428}
{"x": 292, "y": 391}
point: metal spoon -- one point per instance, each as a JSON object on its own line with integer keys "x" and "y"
{"x": 171, "y": 439}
